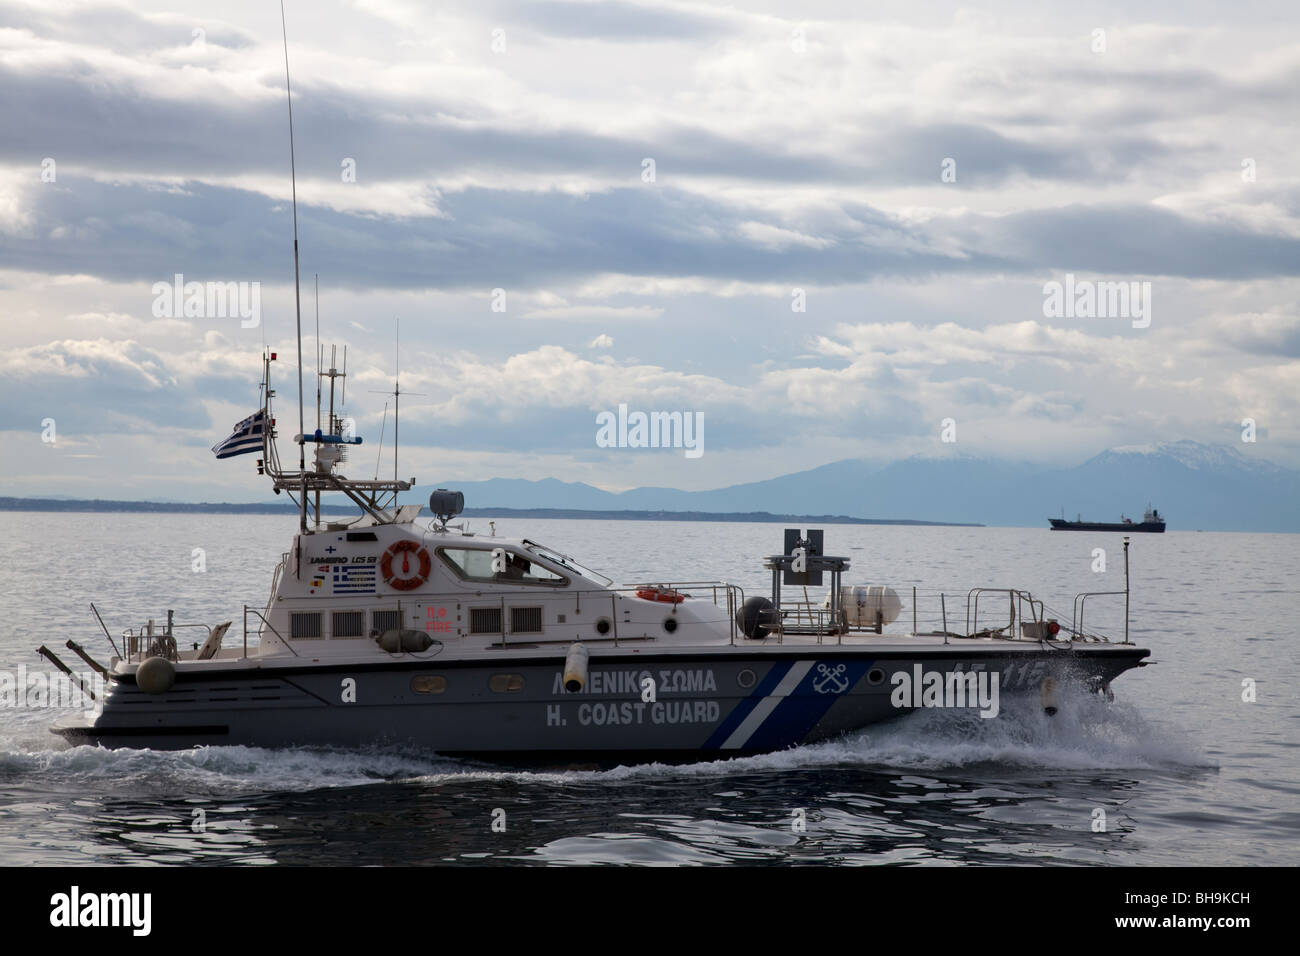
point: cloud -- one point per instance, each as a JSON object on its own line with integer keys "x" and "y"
{"x": 778, "y": 166}
{"x": 595, "y": 313}
{"x": 68, "y": 380}
{"x": 620, "y": 21}
{"x": 1263, "y": 333}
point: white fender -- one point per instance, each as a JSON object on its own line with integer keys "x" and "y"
{"x": 575, "y": 668}
{"x": 1051, "y": 699}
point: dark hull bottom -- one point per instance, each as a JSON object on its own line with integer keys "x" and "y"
{"x": 705, "y": 708}
{"x": 1147, "y": 526}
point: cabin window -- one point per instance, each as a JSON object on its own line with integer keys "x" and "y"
{"x": 477, "y": 564}
{"x": 348, "y": 624}
{"x": 485, "y": 620}
{"x": 428, "y": 684}
{"x": 506, "y": 683}
{"x": 381, "y": 621}
{"x": 525, "y": 620}
{"x": 305, "y": 625}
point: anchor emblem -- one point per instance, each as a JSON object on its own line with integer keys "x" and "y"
{"x": 832, "y": 681}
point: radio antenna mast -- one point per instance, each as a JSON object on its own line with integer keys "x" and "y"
{"x": 320, "y": 353}
{"x": 397, "y": 387}
{"x": 297, "y": 296}
{"x": 397, "y": 394}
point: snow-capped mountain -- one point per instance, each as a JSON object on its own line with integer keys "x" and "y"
{"x": 1193, "y": 455}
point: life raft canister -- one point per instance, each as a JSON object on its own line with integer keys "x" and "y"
{"x": 666, "y": 595}
{"x": 405, "y": 577}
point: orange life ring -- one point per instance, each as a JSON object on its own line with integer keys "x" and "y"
{"x": 666, "y": 595}
{"x": 407, "y": 580}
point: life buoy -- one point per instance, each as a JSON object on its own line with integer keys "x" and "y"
{"x": 665, "y": 595}
{"x": 405, "y": 578}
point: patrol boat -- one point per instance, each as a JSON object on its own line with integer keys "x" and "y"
{"x": 382, "y": 628}
{"x": 387, "y": 628}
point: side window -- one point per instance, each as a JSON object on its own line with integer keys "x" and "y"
{"x": 475, "y": 564}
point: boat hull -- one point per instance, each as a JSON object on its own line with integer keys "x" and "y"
{"x": 1059, "y": 524}
{"x": 705, "y": 706}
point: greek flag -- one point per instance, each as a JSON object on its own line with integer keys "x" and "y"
{"x": 247, "y": 437}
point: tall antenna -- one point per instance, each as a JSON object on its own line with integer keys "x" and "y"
{"x": 397, "y": 385}
{"x": 397, "y": 397}
{"x": 297, "y": 296}
{"x": 320, "y": 354}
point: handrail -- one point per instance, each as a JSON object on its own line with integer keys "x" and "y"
{"x": 822, "y": 621}
{"x": 283, "y": 639}
{"x": 164, "y": 641}
{"x": 972, "y": 623}
{"x": 1017, "y": 599}
{"x": 1077, "y": 612}
{"x": 804, "y": 619}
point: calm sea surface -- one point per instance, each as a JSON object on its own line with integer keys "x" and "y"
{"x": 1185, "y": 770}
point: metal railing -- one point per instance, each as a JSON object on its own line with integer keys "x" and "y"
{"x": 1016, "y": 601}
{"x": 1027, "y": 617}
{"x": 266, "y": 623}
{"x": 1076, "y": 615}
{"x": 146, "y": 642}
{"x": 802, "y": 618}
{"x": 723, "y": 595}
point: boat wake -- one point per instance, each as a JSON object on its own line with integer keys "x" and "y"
{"x": 1086, "y": 734}
{"x": 216, "y": 769}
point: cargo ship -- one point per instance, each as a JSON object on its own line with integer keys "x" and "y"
{"x": 1151, "y": 521}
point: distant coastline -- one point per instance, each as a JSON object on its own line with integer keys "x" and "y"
{"x": 205, "y": 507}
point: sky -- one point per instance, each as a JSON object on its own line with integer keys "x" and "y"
{"x": 825, "y": 229}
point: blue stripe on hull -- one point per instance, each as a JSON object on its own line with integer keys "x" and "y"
{"x": 799, "y": 713}
{"x": 746, "y": 706}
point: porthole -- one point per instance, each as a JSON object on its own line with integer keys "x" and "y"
{"x": 875, "y": 676}
{"x": 670, "y": 624}
{"x": 428, "y": 684}
{"x": 603, "y": 626}
{"x": 506, "y": 683}
{"x": 746, "y": 678}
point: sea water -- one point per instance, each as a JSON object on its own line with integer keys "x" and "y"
{"x": 1197, "y": 760}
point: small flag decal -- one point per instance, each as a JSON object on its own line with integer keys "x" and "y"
{"x": 354, "y": 579}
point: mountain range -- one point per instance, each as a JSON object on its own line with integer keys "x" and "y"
{"x": 1194, "y": 485}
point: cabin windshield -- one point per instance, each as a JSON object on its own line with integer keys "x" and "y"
{"x": 550, "y": 554}
{"x": 480, "y": 564}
